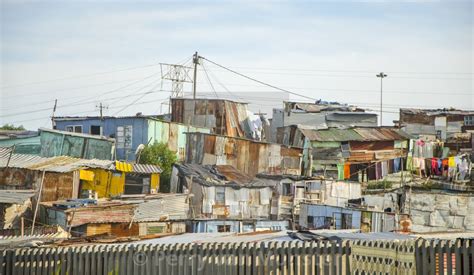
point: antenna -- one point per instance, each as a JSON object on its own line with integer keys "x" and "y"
{"x": 178, "y": 74}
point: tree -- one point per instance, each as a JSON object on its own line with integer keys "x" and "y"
{"x": 12, "y": 127}
{"x": 159, "y": 154}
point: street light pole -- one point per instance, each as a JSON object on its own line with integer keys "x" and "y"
{"x": 382, "y": 76}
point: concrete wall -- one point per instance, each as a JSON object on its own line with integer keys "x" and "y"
{"x": 434, "y": 212}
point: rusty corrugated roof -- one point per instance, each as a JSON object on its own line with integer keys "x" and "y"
{"x": 331, "y": 134}
{"x": 354, "y": 134}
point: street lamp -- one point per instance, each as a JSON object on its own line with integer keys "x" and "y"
{"x": 382, "y": 76}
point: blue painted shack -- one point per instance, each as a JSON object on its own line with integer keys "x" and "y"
{"x": 320, "y": 216}
{"x": 131, "y": 131}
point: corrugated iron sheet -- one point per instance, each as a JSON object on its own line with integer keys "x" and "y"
{"x": 15, "y": 196}
{"x": 60, "y": 164}
{"x": 166, "y": 207}
{"x": 109, "y": 213}
{"x": 332, "y": 134}
{"x": 248, "y": 156}
{"x": 377, "y": 134}
{"x": 146, "y": 168}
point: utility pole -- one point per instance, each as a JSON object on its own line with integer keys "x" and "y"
{"x": 54, "y": 110}
{"x": 196, "y": 62}
{"x": 382, "y": 76}
{"x": 101, "y": 109}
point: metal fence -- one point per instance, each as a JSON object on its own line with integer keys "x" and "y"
{"x": 298, "y": 258}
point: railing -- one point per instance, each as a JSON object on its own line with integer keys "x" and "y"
{"x": 319, "y": 257}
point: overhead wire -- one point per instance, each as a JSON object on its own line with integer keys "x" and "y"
{"x": 78, "y": 76}
{"x": 258, "y": 81}
{"x": 209, "y": 80}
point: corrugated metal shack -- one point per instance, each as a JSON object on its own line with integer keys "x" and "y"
{"x": 327, "y": 148}
{"x": 13, "y": 205}
{"x": 66, "y": 177}
{"x": 438, "y": 123}
{"x": 63, "y": 143}
{"x": 222, "y": 192}
{"x": 291, "y": 191}
{"x": 320, "y": 115}
{"x": 250, "y": 157}
{"x": 24, "y": 142}
{"x": 173, "y": 134}
{"x": 130, "y": 216}
{"x": 223, "y": 116}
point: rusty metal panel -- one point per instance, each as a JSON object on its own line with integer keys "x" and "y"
{"x": 114, "y": 212}
{"x": 209, "y": 144}
{"x": 57, "y": 186}
{"x": 253, "y": 158}
{"x": 371, "y": 145}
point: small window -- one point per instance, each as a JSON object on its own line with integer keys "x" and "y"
{"x": 310, "y": 221}
{"x": 220, "y": 195}
{"x": 74, "y": 128}
{"x": 286, "y": 189}
{"x": 469, "y": 120}
{"x": 346, "y": 221}
{"x": 223, "y": 228}
{"x": 96, "y": 130}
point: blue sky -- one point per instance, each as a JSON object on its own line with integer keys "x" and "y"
{"x": 327, "y": 50}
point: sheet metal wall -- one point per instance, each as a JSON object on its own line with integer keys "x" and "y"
{"x": 173, "y": 134}
{"x": 247, "y": 156}
{"x": 243, "y": 203}
{"x": 224, "y": 117}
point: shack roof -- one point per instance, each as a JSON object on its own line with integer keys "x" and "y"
{"x": 436, "y": 112}
{"x": 15, "y": 196}
{"x": 65, "y": 164}
{"x": 208, "y": 99}
{"x": 17, "y": 134}
{"x": 76, "y": 134}
{"x": 66, "y": 118}
{"x": 320, "y": 106}
{"x": 220, "y": 175}
{"x": 354, "y": 134}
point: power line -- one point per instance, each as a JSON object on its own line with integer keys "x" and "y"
{"x": 258, "y": 81}
{"x": 350, "y": 76}
{"x": 345, "y": 71}
{"x": 79, "y": 76}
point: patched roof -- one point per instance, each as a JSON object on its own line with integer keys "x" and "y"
{"x": 354, "y": 134}
{"x": 65, "y": 164}
{"x": 215, "y": 175}
{"x": 15, "y": 196}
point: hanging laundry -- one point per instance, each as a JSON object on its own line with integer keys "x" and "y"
{"x": 347, "y": 171}
{"x": 440, "y": 166}
{"x": 445, "y": 167}
{"x": 340, "y": 171}
{"x": 371, "y": 172}
{"x": 396, "y": 165}
{"x": 451, "y": 162}
{"x": 378, "y": 170}
{"x": 384, "y": 168}
{"x": 409, "y": 163}
{"x": 434, "y": 166}
{"x": 463, "y": 169}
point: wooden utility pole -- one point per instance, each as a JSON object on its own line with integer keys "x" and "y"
{"x": 54, "y": 111}
{"x": 196, "y": 62}
{"x": 37, "y": 203}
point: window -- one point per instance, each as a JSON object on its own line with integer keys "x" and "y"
{"x": 74, "y": 128}
{"x": 310, "y": 221}
{"x": 346, "y": 221}
{"x": 223, "y": 228}
{"x": 286, "y": 189}
{"x": 124, "y": 136}
{"x": 96, "y": 130}
{"x": 220, "y": 195}
{"x": 469, "y": 121}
